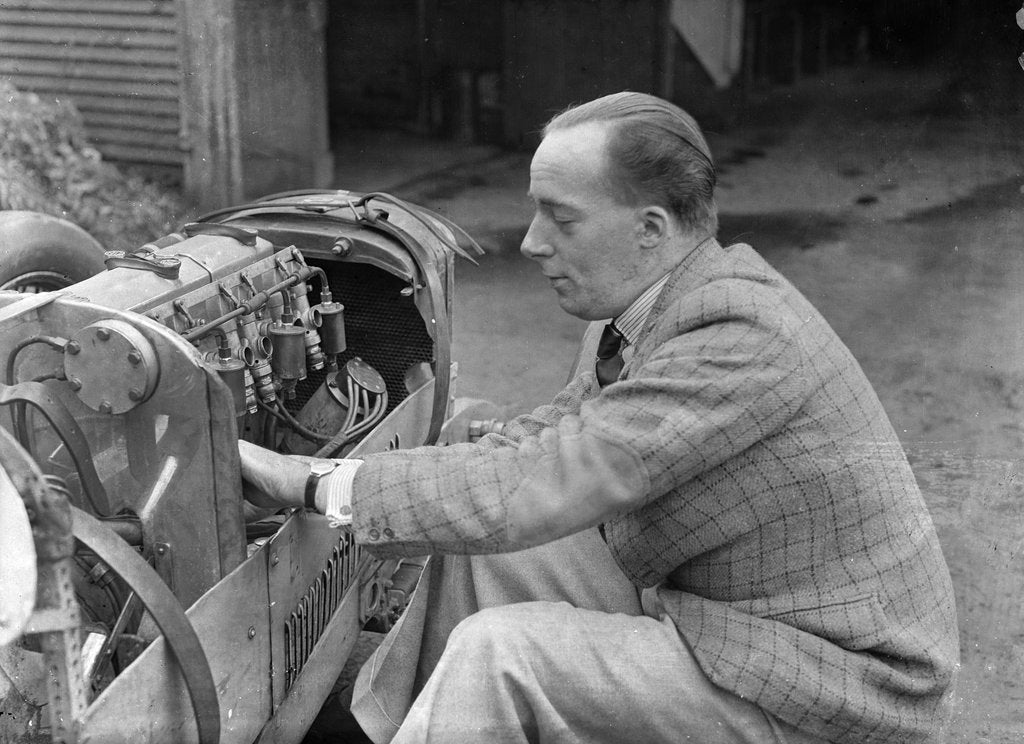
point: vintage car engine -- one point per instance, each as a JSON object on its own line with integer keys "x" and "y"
{"x": 165, "y": 608}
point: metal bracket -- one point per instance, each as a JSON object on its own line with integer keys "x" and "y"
{"x": 165, "y": 266}
{"x": 244, "y": 235}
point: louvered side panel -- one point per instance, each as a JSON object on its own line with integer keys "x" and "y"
{"x": 117, "y": 60}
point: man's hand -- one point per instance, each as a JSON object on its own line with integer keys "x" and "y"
{"x": 270, "y": 479}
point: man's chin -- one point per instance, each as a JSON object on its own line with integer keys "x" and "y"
{"x": 577, "y": 310}
{"x": 566, "y": 303}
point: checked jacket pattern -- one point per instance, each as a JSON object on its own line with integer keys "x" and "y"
{"x": 742, "y": 464}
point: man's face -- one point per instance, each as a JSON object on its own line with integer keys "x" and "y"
{"x": 586, "y": 242}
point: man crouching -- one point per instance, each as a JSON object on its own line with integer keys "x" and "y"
{"x": 711, "y": 536}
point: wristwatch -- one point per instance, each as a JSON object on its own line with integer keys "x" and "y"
{"x": 317, "y": 470}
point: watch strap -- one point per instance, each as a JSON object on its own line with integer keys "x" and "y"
{"x": 310, "y": 494}
{"x": 317, "y": 470}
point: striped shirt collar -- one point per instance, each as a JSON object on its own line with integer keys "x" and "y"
{"x": 632, "y": 320}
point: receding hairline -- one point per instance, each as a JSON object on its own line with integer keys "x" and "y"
{"x": 622, "y": 190}
{"x": 606, "y": 171}
{"x": 647, "y": 111}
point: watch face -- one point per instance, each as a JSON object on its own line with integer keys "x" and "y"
{"x": 322, "y": 467}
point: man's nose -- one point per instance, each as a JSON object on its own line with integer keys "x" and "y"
{"x": 534, "y": 245}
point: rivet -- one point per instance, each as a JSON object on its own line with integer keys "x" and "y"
{"x": 275, "y": 559}
{"x": 161, "y": 548}
{"x": 135, "y": 394}
{"x": 102, "y": 333}
{"x": 374, "y": 534}
{"x": 72, "y": 347}
{"x": 388, "y": 532}
{"x": 252, "y": 632}
{"x": 75, "y": 383}
{"x": 134, "y": 356}
{"x": 105, "y": 406}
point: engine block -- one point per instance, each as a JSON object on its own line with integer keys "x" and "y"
{"x": 313, "y": 322}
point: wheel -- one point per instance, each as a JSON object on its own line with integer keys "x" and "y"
{"x": 60, "y": 673}
{"x": 41, "y": 253}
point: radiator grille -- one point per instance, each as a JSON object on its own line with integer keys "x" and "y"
{"x": 307, "y": 621}
{"x": 382, "y": 327}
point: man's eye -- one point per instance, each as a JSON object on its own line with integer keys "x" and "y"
{"x": 562, "y": 220}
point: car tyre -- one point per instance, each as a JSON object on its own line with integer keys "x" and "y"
{"x": 42, "y": 253}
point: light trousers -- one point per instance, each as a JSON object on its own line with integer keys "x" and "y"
{"x": 550, "y": 645}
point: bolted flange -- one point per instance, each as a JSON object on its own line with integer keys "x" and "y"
{"x": 111, "y": 366}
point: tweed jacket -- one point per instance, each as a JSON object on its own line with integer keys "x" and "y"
{"x": 742, "y": 464}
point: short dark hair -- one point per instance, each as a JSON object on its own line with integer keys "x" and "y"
{"x": 656, "y": 152}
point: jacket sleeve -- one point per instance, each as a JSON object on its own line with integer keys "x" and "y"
{"x": 567, "y": 402}
{"x": 712, "y": 389}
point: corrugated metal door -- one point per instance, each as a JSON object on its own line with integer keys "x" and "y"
{"x": 117, "y": 60}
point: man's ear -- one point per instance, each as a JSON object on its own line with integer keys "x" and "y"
{"x": 654, "y": 226}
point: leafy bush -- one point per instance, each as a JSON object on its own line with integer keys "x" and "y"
{"x": 47, "y": 165}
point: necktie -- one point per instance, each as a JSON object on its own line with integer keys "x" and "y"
{"x": 609, "y": 355}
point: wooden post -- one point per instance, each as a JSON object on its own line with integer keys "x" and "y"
{"x": 668, "y": 51}
{"x": 823, "y": 41}
{"x": 423, "y": 91}
{"x": 798, "y": 43}
{"x": 764, "y": 18}
{"x": 749, "y": 64}
{"x": 209, "y": 105}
